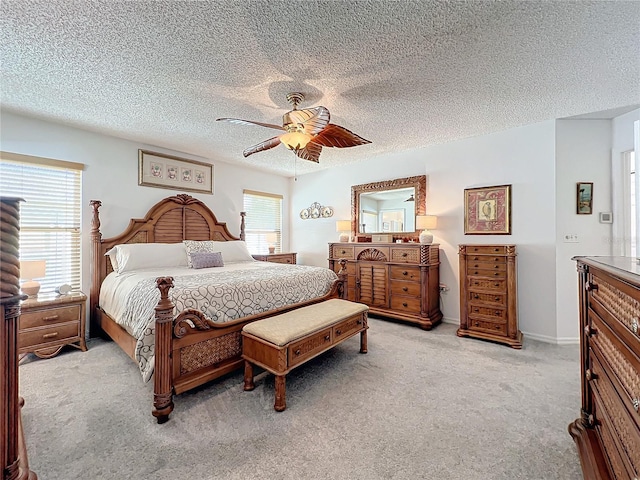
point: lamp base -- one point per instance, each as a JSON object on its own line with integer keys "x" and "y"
{"x": 31, "y": 288}
{"x": 426, "y": 237}
{"x": 272, "y": 250}
{"x": 344, "y": 238}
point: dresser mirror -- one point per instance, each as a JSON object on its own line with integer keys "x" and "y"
{"x": 388, "y": 207}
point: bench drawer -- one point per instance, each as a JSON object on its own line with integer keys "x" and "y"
{"x": 307, "y": 347}
{"x": 347, "y": 328}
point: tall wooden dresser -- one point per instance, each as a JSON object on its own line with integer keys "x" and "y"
{"x": 489, "y": 294}
{"x": 400, "y": 281}
{"x": 607, "y": 433}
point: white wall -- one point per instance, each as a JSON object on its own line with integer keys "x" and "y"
{"x": 582, "y": 155}
{"x": 111, "y": 175}
{"x": 523, "y": 157}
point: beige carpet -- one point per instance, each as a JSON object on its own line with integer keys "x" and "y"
{"x": 419, "y": 405}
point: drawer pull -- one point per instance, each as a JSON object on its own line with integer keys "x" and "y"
{"x": 476, "y": 310}
{"x": 404, "y": 254}
{"x": 405, "y": 289}
{"x": 497, "y": 299}
{"x": 288, "y": 260}
{"x": 359, "y": 322}
{"x": 497, "y": 327}
{"x": 496, "y": 260}
{"x": 496, "y": 249}
{"x": 589, "y": 331}
{"x": 52, "y": 317}
{"x": 327, "y": 337}
{"x": 475, "y": 273}
{"x": 497, "y": 266}
{"x": 634, "y": 325}
{"x": 405, "y": 273}
{"x": 636, "y": 404}
{"x": 338, "y": 332}
{"x": 476, "y": 296}
{"x": 297, "y": 352}
{"x": 343, "y": 252}
{"x": 496, "y": 284}
{"x": 404, "y": 304}
{"x": 50, "y": 335}
{"x": 591, "y": 286}
{"x": 497, "y": 312}
{"x": 589, "y": 375}
{"x": 497, "y": 273}
{"x": 477, "y": 324}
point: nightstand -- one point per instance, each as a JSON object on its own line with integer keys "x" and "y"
{"x": 277, "y": 258}
{"x": 50, "y": 321}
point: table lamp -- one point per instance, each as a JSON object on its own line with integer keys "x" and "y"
{"x": 30, "y": 269}
{"x": 424, "y": 223}
{"x": 344, "y": 227}
{"x": 272, "y": 238}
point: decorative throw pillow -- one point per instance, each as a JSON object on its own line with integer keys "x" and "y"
{"x": 198, "y": 246}
{"x": 206, "y": 259}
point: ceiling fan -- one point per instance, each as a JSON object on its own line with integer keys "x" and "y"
{"x": 306, "y": 131}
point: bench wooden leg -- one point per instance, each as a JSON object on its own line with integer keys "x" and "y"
{"x": 281, "y": 402}
{"x": 363, "y": 341}
{"x": 248, "y": 376}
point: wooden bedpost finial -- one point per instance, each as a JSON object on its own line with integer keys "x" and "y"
{"x": 242, "y": 215}
{"x": 164, "y": 284}
{"x": 95, "y": 218}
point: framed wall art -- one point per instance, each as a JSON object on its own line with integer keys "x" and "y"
{"x": 166, "y": 171}
{"x": 487, "y": 210}
{"x": 584, "y": 205}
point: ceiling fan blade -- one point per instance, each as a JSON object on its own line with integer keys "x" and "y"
{"x": 339, "y": 137}
{"x": 311, "y": 152}
{"x": 313, "y": 120}
{"x": 261, "y": 147}
{"x": 239, "y": 121}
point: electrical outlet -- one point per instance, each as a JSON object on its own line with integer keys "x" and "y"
{"x": 443, "y": 288}
{"x": 571, "y": 238}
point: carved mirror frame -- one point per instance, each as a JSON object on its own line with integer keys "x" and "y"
{"x": 419, "y": 183}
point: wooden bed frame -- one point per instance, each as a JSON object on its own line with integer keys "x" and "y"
{"x": 186, "y": 356}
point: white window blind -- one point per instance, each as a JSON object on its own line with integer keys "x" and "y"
{"x": 263, "y": 223}
{"x": 49, "y": 217}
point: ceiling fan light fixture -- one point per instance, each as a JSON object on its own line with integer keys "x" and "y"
{"x": 295, "y": 140}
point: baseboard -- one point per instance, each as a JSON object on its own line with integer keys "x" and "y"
{"x": 453, "y": 321}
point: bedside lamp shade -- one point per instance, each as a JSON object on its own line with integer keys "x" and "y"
{"x": 30, "y": 269}
{"x": 424, "y": 223}
{"x": 344, "y": 227}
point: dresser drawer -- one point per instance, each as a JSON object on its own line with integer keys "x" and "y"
{"x": 496, "y": 267}
{"x": 488, "y": 326}
{"x": 50, "y": 316}
{"x": 487, "y": 259}
{"x": 486, "y": 273}
{"x": 405, "y": 273}
{"x": 497, "y": 298}
{"x": 407, "y": 255}
{"x": 500, "y": 313}
{"x": 281, "y": 259}
{"x": 487, "y": 249}
{"x": 624, "y": 434}
{"x": 308, "y": 347}
{"x": 405, "y": 288}
{"x": 46, "y": 335}
{"x": 405, "y": 304}
{"x": 339, "y": 251}
{"x": 499, "y": 285}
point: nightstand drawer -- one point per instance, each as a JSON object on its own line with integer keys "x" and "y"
{"x": 43, "y": 336}
{"x": 49, "y": 316}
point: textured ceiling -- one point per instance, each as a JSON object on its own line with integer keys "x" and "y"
{"x": 403, "y": 74}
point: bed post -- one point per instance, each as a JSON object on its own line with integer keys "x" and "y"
{"x": 242, "y": 215}
{"x": 162, "y": 375}
{"x": 342, "y": 277}
{"x": 96, "y": 239}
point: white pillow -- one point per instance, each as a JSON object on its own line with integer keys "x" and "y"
{"x": 113, "y": 258}
{"x": 232, "y": 251}
{"x": 136, "y": 256}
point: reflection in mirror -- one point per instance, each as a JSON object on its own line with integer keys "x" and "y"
{"x": 388, "y": 207}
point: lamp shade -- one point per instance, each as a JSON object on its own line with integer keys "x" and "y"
{"x": 425, "y": 222}
{"x": 343, "y": 225}
{"x": 271, "y": 237}
{"x": 30, "y": 269}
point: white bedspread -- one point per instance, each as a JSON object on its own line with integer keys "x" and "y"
{"x": 222, "y": 294}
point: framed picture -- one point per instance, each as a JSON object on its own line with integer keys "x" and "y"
{"x": 584, "y": 205}
{"x": 487, "y": 210}
{"x": 166, "y": 171}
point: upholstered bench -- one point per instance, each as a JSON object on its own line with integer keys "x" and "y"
{"x": 280, "y": 343}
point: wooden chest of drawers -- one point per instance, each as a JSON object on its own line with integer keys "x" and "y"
{"x": 277, "y": 258}
{"x": 400, "y": 281}
{"x": 488, "y": 294}
{"x": 48, "y": 322}
{"x": 608, "y": 431}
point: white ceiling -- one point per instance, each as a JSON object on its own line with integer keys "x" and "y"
{"x": 403, "y": 74}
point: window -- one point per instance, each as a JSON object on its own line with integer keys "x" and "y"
{"x": 49, "y": 216}
{"x": 263, "y": 223}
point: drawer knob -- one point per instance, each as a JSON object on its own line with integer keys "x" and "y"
{"x": 589, "y": 331}
{"x": 497, "y": 273}
{"x": 476, "y": 296}
{"x": 405, "y": 273}
{"x": 327, "y": 337}
{"x": 50, "y": 335}
{"x": 476, "y": 310}
{"x": 634, "y": 325}
{"x": 338, "y": 332}
{"x": 297, "y": 352}
{"x": 404, "y": 254}
{"x": 405, "y": 289}
{"x": 496, "y": 259}
{"x": 496, "y": 284}
{"x": 359, "y": 322}
{"x": 497, "y": 299}
{"x": 497, "y": 266}
{"x": 496, "y": 249}
{"x": 52, "y": 317}
{"x": 591, "y": 286}
{"x": 589, "y": 375}
{"x": 343, "y": 252}
{"x": 404, "y": 304}
{"x": 636, "y": 404}
{"x": 476, "y": 324}
{"x": 497, "y": 312}
{"x": 497, "y": 327}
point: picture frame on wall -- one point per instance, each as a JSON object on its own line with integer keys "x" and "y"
{"x": 584, "y": 202}
{"x": 487, "y": 210}
{"x": 168, "y": 171}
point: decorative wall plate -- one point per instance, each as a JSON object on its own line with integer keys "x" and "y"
{"x": 316, "y": 211}
{"x": 326, "y": 212}
{"x": 304, "y": 214}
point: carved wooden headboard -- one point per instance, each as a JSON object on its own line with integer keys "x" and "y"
{"x": 172, "y": 220}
